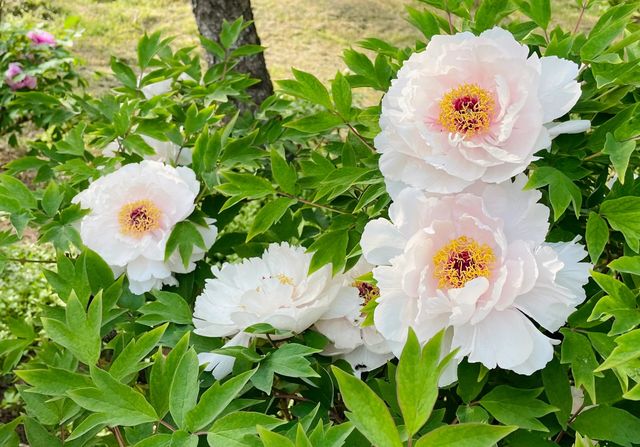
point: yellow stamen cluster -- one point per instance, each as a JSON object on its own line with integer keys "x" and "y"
{"x": 466, "y": 110}
{"x": 366, "y": 291}
{"x": 460, "y": 261}
{"x": 139, "y": 217}
{"x": 284, "y": 279}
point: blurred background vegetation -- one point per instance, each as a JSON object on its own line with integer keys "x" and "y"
{"x": 306, "y": 34}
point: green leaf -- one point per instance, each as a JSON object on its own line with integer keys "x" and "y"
{"x": 128, "y": 362}
{"x": 162, "y": 374}
{"x": 597, "y": 236}
{"x": 316, "y": 123}
{"x": 13, "y": 188}
{"x": 489, "y": 14}
{"x": 417, "y": 380}
{"x": 248, "y": 185}
{"x": 306, "y": 86}
{"x": 230, "y": 32}
{"x": 215, "y": 400}
{"x": 183, "y": 394}
{"x": 53, "y": 381}
{"x": 330, "y": 247}
{"x": 195, "y": 120}
{"x": 123, "y": 73}
{"x": 8, "y": 435}
{"x": 609, "y": 424}
{"x": 118, "y": 403}
{"x": 562, "y": 190}
{"x": 81, "y": 333}
{"x": 578, "y": 352}
{"x": 271, "y": 439}
{"x": 619, "y": 153}
{"x": 557, "y": 388}
{"x": 424, "y": 20}
{"x": 341, "y": 92}
{"x": 367, "y": 411}
{"x": 283, "y": 173}
{"x": 184, "y": 236}
{"x": 606, "y": 29}
{"x": 514, "y": 406}
{"x": 469, "y": 435}
{"x": 626, "y": 264}
{"x": 148, "y": 46}
{"x": 136, "y": 144}
{"x": 627, "y": 349}
{"x": 52, "y": 198}
{"x": 243, "y": 423}
{"x": 181, "y": 438}
{"x": 37, "y": 435}
{"x": 73, "y": 142}
{"x": 538, "y": 10}
{"x": 623, "y": 215}
{"x": 289, "y": 360}
{"x": 167, "y": 307}
{"x": 268, "y": 215}
{"x": 161, "y": 440}
{"x": 620, "y": 303}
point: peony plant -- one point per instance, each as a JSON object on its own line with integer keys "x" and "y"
{"x": 33, "y": 61}
{"x": 455, "y": 265}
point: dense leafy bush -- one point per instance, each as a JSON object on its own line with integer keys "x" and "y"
{"x": 33, "y": 61}
{"x": 119, "y": 362}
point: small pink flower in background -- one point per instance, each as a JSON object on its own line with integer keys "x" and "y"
{"x": 39, "y": 37}
{"x": 13, "y": 72}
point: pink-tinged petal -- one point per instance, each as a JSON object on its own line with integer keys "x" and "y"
{"x": 381, "y": 241}
{"x": 501, "y": 339}
{"x": 558, "y": 91}
{"x": 570, "y": 127}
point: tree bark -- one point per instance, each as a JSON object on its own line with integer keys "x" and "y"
{"x": 209, "y": 16}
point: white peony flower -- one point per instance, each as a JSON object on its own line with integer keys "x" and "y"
{"x": 166, "y": 151}
{"x": 161, "y": 87}
{"x": 473, "y": 108}
{"x": 475, "y": 263}
{"x": 133, "y": 211}
{"x": 275, "y": 289}
{"x": 363, "y": 347}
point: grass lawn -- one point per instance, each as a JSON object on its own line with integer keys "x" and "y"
{"x": 306, "y": 34}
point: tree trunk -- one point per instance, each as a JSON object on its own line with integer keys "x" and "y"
{"x": 209, "y": 15}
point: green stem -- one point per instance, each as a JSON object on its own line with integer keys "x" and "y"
{"x": 308, "y": 202}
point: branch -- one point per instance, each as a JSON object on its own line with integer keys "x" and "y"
{"x": 307, "y": 202}
{"x": 118, "y": 435}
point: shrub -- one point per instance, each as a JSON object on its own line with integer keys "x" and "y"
{"x": 465, "y": 279}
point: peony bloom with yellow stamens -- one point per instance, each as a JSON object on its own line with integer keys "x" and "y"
{"x": 133, "y": 211}
{"x": 477, "y": 265}
{"x": 472, "y": 108}
{"x": 275, "y": 289}
{"x": 363, "y": 347}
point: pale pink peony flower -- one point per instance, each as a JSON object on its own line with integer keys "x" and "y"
{"x": 15, "y": 78}
{"x": 473, "y": 108}
{"x": 363, "y": 348}
{"x": 39, "y": 37}
{"x": 477, "y": 265}
{"x": 133, "y": 212}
